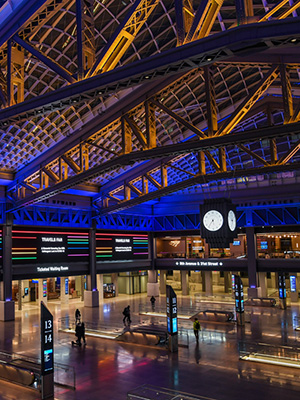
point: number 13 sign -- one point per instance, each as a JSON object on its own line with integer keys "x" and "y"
{"x": 46, "y": 340}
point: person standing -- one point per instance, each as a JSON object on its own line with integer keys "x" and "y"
{"x": 153, "y": 300}
{"x": 197, "y": 328}
{"x": 126, "y": 314}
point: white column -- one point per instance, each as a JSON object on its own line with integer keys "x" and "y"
{"x": 185, "y": 283}
{"x": 208, "y": 283}
{"x": 64, "y": 290}
{"x": 263, "y": 283}
{"x": 162, "y": 282}
{"x": 100, "y": 287}
{"x": 41, "y": 296}
{"x": 152, "y": 285}
{"x": 114, "y": 280}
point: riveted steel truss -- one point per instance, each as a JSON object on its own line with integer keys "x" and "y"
{"x": 98, "y": 108}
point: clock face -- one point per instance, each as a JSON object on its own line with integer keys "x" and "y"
{"x": 213, "y": 220}
{"x": 231, "y": 220}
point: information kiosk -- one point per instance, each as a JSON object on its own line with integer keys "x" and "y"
{"x": 282, "y": 291}
{"x": 239, "y": 299}
{"x": 47, "y": 360}
{"x": 172, "y": 325}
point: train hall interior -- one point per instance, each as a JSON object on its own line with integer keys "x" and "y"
{"x": 149, "y": 157}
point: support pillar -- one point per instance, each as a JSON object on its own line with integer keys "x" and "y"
{"x": 7, "y": 305}
{"x": 162, "y": 282}
{"x": 185, "y": 283}
{"x": 227, "y": 282}
{"x": 208, "y": 283}
{"x": 91, "y": 295}
{"x": 114, "y": 280}
{"x": 64, "y": 290}
{"x": 263, "y": 283}
{"x": 100, "y": 287}
{"x": 254, "y": 290}
{"x": 294, "y": 295}
{"x": 42, "y": 291}
{"x": 152, "y": 285}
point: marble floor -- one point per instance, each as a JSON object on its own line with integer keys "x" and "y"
{"x": 107, "y": 369}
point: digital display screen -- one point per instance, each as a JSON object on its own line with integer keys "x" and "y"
{"x": 281, "y": 286}
{"x": 264, "y": 245}
{"x": 44, "y": 288}
{"x": 121, "y": 246}
{"x": 236, "y": 242}
{"x": 66, "y": 286}
{"x": 174, "y": 325}
{"x": 293, "y": 283}
{"x": 49, "y": 246}
{"x": 26, "y": 291}
{"x": 48, "y": 360}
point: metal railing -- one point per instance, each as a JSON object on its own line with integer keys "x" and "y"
{"x": 64, "y": 375}
{"x": 96, "y": 327}
{"x": 276, "y": 352}
{"x": 147, "y": 392}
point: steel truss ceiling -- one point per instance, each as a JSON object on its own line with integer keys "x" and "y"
{"x": 148, "y": 97}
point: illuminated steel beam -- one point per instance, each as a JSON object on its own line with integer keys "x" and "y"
{"x": 150, "y": 124}
{"x": 288, "y": 12}
{"x": 253, "y": 37}
{"x": 250, "y": 100}
{"x": 136, "y": 130}
{"x": 175, "y": 149}
{"x": 273, "y": 10}
{"x": 15, "y": 21}
{"x": 184, "y": 18}
{"x": 123, "y": 36}
{"x": 286, "y": 158}
{"x": 287, "y": 96}
{"x": 254, "y": 155}
{"x": 45, "y": 59}
{"x": 204, "y": 19}
{"x": 179, "y": 119}
{"x": 199, "y": 180}
{"x": 211, "y": 105}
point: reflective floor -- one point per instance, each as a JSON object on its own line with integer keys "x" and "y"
{"x": 107, "y": 369}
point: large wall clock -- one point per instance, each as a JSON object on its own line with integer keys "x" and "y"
{"x": 218, "y": 222}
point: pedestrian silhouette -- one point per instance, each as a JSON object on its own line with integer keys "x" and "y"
{"x": 77, "y": 316}
{"x": 126, "y": 313}
{"x": 197, "y": 328}
{"x": 153, "y": 300}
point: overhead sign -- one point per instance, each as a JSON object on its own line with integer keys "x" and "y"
{"x": 199, "y": 263}
{"x": 121, "y": 246}
{"x": 51, "y": 246}
{"x": 47, "y": 360}
{"x": 171, "y": 300}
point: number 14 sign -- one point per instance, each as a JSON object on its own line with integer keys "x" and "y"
{"x": 46, "y": 340}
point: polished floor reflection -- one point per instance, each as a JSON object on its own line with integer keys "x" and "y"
{"x": 106, "y": 369}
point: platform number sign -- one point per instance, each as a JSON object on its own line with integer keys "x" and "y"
{"x": 46, "y": 340}
{"x": 239, "y": 294}
{"x": 281, "y": 286}
{"x": 171, "y": 299}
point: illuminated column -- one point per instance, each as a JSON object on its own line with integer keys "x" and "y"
{"x": 91, "y": 295}
{"x": 294, "y": 288}
{"x": 185, "y": 283}
{"x": 263, "y": 283}
{"x": 254, "y": 290}
{"x": 227, "y": 282}
{"x": 114, "y": 280}
{"x": 162, "y": 282}
{"x": 152, "y": 285}
{"x": 64, "y": 290}
{"x": 7, "y": 305}
{"x": 100, "y": 287}
{"x": 208, "y": 283}
{"x": 42, "y": 291}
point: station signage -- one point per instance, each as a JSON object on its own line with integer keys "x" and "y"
{"x": 51, "y": 246}
{"x": 239, "y": 294}
{"x": 53, "y": 269}
{"x": 281, "y": 286}
{"x": 171, "y": 300}
{"x": 293, "y": 284}
{"x": 121, "y": 246}
{"x": 199, "y": 263}
{"x": 47, "y": 360}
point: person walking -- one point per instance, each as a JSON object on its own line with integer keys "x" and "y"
{"x": 126, "y": 313}
{"x": 78, "y": 333}
{"x": 197, "y": 328}
{"x": 153, "y": 300}
{"x": 77, "y": 316}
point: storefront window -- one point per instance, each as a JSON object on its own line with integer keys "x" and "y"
{"x": 278, "y": 245}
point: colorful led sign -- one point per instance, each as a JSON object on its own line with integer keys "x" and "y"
{"x": 51, "y": 246}
{"x": 121, "y": 246}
